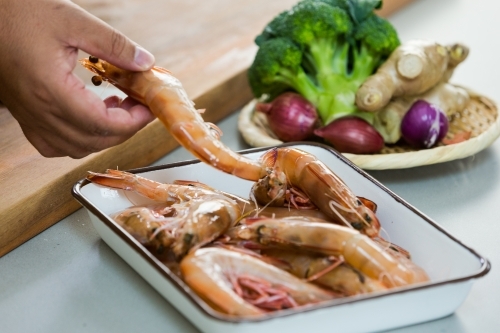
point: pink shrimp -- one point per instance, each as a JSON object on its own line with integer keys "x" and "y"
{"x": 163, "y": 93}
{"x": 358, "y": 250}
{"x": 331, "y": 272}
{"x": 296, "y": 168}
{"x": 194, "y": 217}
{"x": 241, "y": 285}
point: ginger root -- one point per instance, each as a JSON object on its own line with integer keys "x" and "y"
{"x": 412, "y": 69}
{"x": 446, "y": 96}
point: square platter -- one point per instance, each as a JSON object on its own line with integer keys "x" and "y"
{"x": 452, "y": 266}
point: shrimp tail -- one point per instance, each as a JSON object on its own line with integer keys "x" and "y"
{"x": 120, "y": 179}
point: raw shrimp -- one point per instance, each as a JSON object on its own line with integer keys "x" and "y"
{"x": 193, "y": 216}
{"x": 358, "y": 250}
{"x": 242, "y": 285}
{"x": 163, "y": 93}
{"x": 326, "y": 271}
{"x": 143, "y": 222}
{"x": 160, "y": 192}
{"x": 250, "y": 209}
{"x": 320, "y": 184}
{"x": 184, "y": 190}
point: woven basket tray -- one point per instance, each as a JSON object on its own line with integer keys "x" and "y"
{"x": 480, "y": 117}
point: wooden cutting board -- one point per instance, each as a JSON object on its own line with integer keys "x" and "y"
{"x": 208, "y": 45}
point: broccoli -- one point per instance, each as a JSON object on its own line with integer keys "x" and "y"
{"x": 324, "y": 50}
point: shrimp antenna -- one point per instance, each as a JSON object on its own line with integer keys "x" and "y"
{"x": 350, "y": 210}
{"x": 333, "y": 206}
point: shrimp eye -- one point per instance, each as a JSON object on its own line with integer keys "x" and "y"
{"x": 188, "y": 238}
{"x": 357, "y": 225}
{"x": 361, "y": 277}
{"x": 96, "y": 80}
{"x": 93, "y": 59}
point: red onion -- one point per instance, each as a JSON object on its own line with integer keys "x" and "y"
{"x": 291, "y": 117}
{"x": 352, "y": 135}
{"x": 424, "y": 125}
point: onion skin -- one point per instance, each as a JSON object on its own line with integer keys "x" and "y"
{"x": 291, "y": 117}
{"x": 352, "y": 135}
{"x": 424, "y": 125}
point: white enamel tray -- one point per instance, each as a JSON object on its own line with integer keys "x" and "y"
{"x": 451, "y": 265}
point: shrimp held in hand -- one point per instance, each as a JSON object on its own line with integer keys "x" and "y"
{"x": 163, "y": 93}
{"x": 242, "y": 285}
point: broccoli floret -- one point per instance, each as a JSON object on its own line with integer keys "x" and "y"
{"x": 277, "y": 67}
{"x": 375, "y": 39}
{"x": 336, "y": 45}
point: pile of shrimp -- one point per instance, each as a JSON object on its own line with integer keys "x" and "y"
{"x": 302, "y": 237}
{"x": 247, "y": 259}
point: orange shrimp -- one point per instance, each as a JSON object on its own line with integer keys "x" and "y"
{"x": 160, "y": 192}
{"x": 163, "y": 93}
{"x": 320, "y": 184}
{"x": 241, "y": 285}
{"x": 248, "y": 208}
{"x": 358, "y": 250}
{"x": 326, "y": 271}
{"x": 194, "y": 217}
{"x": 142, "y": 223}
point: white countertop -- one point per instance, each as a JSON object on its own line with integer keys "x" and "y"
{"x": 67, "y": 279}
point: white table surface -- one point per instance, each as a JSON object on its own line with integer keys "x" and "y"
{"x": 67, "y": 279}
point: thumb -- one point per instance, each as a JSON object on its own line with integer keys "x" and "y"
{"x": 103, "y": 41}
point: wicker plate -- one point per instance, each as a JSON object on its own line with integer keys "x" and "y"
{"x": 480, "y": 117}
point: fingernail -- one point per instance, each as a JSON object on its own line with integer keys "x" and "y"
{"x": 143, "y": 58}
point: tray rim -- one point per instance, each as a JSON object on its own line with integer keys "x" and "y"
{"x": 206, "y": 310}
{"x": 392, "y": 161}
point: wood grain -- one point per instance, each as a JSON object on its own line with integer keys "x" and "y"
{"x": 208, "y": 45}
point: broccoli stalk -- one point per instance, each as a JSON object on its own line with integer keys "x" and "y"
{"x": 319, "y": 49}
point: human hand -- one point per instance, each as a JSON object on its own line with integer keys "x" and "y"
{"x": 39, "y": 42}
